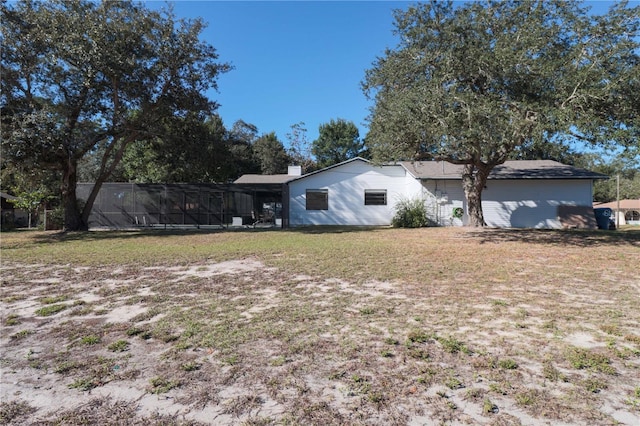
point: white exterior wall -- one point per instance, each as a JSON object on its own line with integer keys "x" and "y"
{"x": 346, "y": 184}
{"x": 532, "y": 203}
{"x": 441, "y": 197}
{"x": 518, "y": 203}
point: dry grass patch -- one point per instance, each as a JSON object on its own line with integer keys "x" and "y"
{"x": 322, "y": 326}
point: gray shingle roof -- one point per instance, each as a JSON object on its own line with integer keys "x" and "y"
{"x": 264, "y": 179}
{"x": 521, "y": 169}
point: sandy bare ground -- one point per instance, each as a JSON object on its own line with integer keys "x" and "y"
{"x": 237, "y": 342}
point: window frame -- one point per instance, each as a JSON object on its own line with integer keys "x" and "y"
{"x": 372, "y": 197}
{"x": 319, "y": 199}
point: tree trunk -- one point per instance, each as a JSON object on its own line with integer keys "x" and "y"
{"x": 72, "y": 216}
{"x": 106, "y": 170}
{"x": 474, "y": 179}
{"x": 86, "y": 211}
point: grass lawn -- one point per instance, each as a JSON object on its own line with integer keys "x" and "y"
{"x": 327, "y": 326}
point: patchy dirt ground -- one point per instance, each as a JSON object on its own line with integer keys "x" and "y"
{"x": 238, "y": 342}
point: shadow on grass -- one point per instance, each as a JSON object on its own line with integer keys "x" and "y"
{"x": 573, "y": 237}
{"x": 334, "y": 229}
{"x": 576, "y": 237}
{"x": 98, "y": 235}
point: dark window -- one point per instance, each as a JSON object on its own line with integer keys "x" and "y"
{"x": 317, "y": 199}
{"x": 632, "y": 215}
{"x": 375, "y": 197}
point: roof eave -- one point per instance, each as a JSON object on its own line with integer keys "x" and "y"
{"x": 329, "y": 167}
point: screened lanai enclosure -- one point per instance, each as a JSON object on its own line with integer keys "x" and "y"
{"x": 130, "y": 205}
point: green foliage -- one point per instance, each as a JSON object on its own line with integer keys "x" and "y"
{"x": 12, "y": 410}
{"x": 480, "y": 82}
{"x": 49, "y": 310}
{"x": 489, "y": 407}
{"x": 527, "y": 398}
{"x": 53, "y": 299}
{"x": 499, "y": 96}
{"x": 22, "y": 334}
{"x": 66, "y": 366}
{"x": 419, "y": 336}
{"x": 418, "y": 353}
{"x": 162, "y": 385}
{"x": 25, "y": 177}
{"x": 584, "y": 359}
{"x": 410, "y": 213}
{"x": 368, "y": 310}
{"x": 240, "y": 141}
{"x": 338, "y": 141}
{"x": 594, "y": 385}
{"x": 83, "y": 384}
{"x": 508, "y": 364}
{"x": 386, "y": 353}
{"x": 191, "y": 149}
{"x": 12, "y": 319}
{"x": 119, "y": 346}
{"x": 622, "y": 168}
{"x": 452, "y": 345}
{"x": 54, "y": 219}
{"x": 270, "y": 154}
{"x": 121, "y": 73}
{"x": 231, "y": 360}
{"x": 552, "y": 373}
{"x": 391, "y": 341}
{"x": 30, "y": 200}
{"x": 90, "y": 340}
{"x": 474, "y": 393}
{"x": 278, "y": 361}
{"x": 453, "y": 383}
{"x": 191, "y": 366}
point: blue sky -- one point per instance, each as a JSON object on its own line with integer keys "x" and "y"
{"x": 293, "y": 61}
{"x": 297, "y": 61}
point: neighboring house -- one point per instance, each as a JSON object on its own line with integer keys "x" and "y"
{"x": 7, "y": 210}
{"x": 10, "y": 216}
{"x": 519, "y": 194}
{"x": 628, "y": 211}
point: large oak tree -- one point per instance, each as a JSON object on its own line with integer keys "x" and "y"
{"x": 80, "y": 76}
{"x": 484, "y": 81}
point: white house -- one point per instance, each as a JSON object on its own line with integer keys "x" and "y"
{"x": 519, "y": 194}
{"x": 354, "y": 192}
